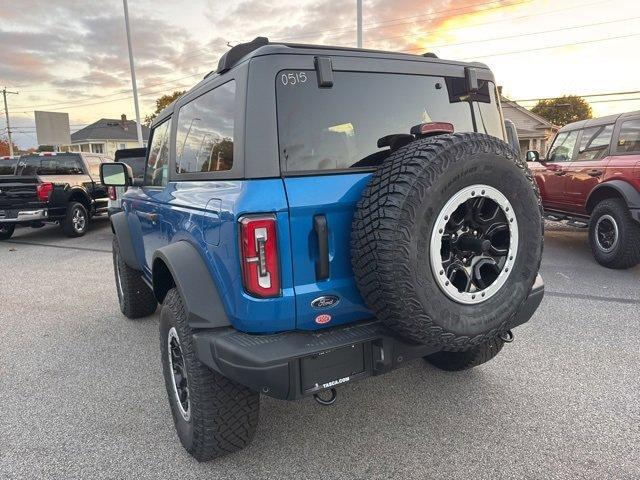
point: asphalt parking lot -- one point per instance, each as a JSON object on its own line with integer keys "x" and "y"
{"x": 82, "y": 394}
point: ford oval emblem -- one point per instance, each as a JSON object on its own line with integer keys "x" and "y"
{"x": 326, "y": 301}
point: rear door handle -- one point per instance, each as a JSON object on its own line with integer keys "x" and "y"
{"x": 594, "y": 173}
{"x": 322, "y": 233}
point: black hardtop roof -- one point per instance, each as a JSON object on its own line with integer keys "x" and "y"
{"x": 595, "y": 122}
{"x": 261, "y": 46}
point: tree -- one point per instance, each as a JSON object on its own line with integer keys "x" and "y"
{"x": 161, "y": 104}
{"x": 4, "y": 147}
{"x": 563, "y": 110}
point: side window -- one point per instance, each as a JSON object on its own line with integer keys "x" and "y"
{"x": 156, "y": 174}
{"x": 563, "y": 146}
{"x": 594, "y": 144}
{"x": 204, "y": 142}
{"x": 629, "y": 138}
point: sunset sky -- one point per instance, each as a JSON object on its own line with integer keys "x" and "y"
{"x": 70, "y": 55}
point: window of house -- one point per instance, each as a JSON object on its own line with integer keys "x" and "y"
{"x": 594, "y": 144}
{"x": 563, "y": 146}
{"x": 122, "y": 146}
{"x": 158, "y": 162}
{"x": 204, "y": 140}
{"x": 629, "y": 138}
{"x": 97, "y": 148}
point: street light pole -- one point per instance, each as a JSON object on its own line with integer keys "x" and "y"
{"x": 133, "y": 73}
{"x": 6, "y": 113}
{"x": 359, "y": 22}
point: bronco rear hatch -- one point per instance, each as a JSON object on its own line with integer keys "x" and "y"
{"x": 329, "y": 145}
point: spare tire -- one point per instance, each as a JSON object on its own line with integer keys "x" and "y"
{"x": 447, "y": 239}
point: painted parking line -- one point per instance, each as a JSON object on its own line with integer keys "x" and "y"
{"x": 65, "y": 247}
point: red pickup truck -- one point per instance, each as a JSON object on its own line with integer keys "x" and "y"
{"x": 591, "y": 176}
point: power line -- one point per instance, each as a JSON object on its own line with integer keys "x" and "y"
{"x": 552, "y": 46}
{"x": 633, "y": 92}
{"x": 116, "y": 93}
{"x": 526, "y": 34}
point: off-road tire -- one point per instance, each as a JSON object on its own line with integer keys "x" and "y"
{"x": 223, "y": 413}
{"x": 626, "y": 253}
{"x": 457, "y": 361}
{"x": 134, "y": 296}
{"x": 392, "y": 228}
{"x": 6, "y": 230}
{"x": 68, "y": 226}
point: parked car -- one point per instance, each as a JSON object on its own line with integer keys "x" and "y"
{"x": 55, "y": 187}
{"x": 134, "y": 158}
{"x": 591, "y": 177}
{"x": 312, "y": 216}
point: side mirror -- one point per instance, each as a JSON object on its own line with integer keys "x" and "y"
{"x": 533, "y": 156}
{"x": 115, "y": 174}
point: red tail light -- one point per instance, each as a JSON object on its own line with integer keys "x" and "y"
{"x": 111, "y": 192}
{"x": 259, "y": 256}
{"x": 44, "y": 191}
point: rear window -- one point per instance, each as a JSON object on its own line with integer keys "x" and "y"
{"x": 339, "y": 127}
{"x": 629, "y": 138}
{"x": 8, "y": 166}
{"x": 59, "y": 164}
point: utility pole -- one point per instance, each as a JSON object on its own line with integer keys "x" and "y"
{"x": 359, "y": 22}
{"x": 133, "y": 73}
{"x": 6, "y": 113}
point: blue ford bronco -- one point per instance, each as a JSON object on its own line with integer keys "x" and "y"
{"x": 311, "y": 216}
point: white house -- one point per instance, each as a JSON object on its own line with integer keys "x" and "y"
{"x": 534, "y": 132}
{"x": 108, "y": 135}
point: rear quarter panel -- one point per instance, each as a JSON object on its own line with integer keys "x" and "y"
{"x": 205, "y": 214}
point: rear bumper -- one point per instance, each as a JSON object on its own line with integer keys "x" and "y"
{"x": 22, "y": 216}
{"x": 295, "y": 364}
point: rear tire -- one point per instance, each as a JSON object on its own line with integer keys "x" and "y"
{"x": 76, "y": 222}
{"x": 134, "y": 296}
{"x": 457, "y": 361}
{"x": 614, "y": 235}
{"x": 6, "y": 230}
{"x": 213, "y": 415}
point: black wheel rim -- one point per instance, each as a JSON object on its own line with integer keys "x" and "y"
{"x": 474, "y": 244}
{"x": 178, "y": 374}
{"x": 607, "y": 233}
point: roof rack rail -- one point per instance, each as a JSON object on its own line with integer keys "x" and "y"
{"x": 430, "y": 55}
{"x": 233, "y": 56}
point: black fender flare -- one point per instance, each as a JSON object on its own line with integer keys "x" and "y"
{"x": 120, "y": 228}
{"x": 78, "y": 191}
{"x": 626, "y": 190}
{"x": 193, "y": 280}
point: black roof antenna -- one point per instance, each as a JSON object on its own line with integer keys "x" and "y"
{"x": 233, "y": 56}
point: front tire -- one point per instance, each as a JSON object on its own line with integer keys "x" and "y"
{"x": 6, "y": 230}
{"x": 76, "y": 222}
{"x": 213, "y": 415}
{"x": 614, "y": 235}
{"x": 134, "y": 296}
{"x": 458, "y": 361}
